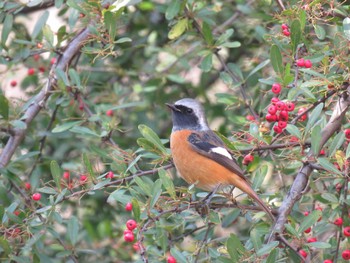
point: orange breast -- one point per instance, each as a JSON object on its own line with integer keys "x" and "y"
{"x": 198, "y": 169}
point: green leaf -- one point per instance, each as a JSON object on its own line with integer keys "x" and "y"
{"x": 123, "y": 40}
{"x": 293, "y": 130}
{"x": 178, "y": 255}
{"x": 19, "y": 124}
{"x": 266, "y": 249}
{"x": 167, "y": 182}
{"x": 136, "y": 209}
{"x": 110, "y": 20}
{"x": 276, "y": 59}
{"x": 309, "y": 220}
{"x": 347, "y": 152}
{"x": 346, "y": 27}
{"x": 315, "y": 140}
{"x": 273, "y": 256}
{"x": 156, "y": 192}
{"x": 291, "y": 230}
{"x": 74, "y": 76}
{"x": 319, "y": 245}
{"x": 73, "y": 229}
{"x": 88, "y": 167}
{"x": 6, "y": 28}
{"x": 152, "y": 137}
{"x": 84, "y": 131}
{"x": 208, "y": 36}
{"x": 326, "y": 164}
{"x": 295, "y": 30}
{"x": 330, "y": 197}
{"x": 258, "y": 67}
{"x": 119, "y": 4}
{"x": 101, "y": 184}
{"x": 145, "y": 187}
{"x": 56, "y": 173}
{"x": 178, "y": 29}
{"x": 234, "y": 44}
{"x": 48, "y": 34}
{"x": 47, "y": 190}
{"x": 61, "y": 75}
{"x": 235, "y": 248}
{"x": 320, "y": 32}
{"x": 302, "y": 17}
{"x": 40, "y": 24}
{"x": 207, "y": 63}
{"x": 4, "y": 107}
{"x": 224, "y": 37}
{"x": 66, "y": 126}
{"x": 314, "y": 116}
{"x": 336, "y": 143}
{"x": 255, "y": 237}
{"x": 173, "y": 9}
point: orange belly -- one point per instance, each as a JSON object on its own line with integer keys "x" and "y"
{"x": 198, "y": 169}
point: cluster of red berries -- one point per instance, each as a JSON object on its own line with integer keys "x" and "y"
{"x": 278, "y": 111}
{"x": 285, "y": 30}
{"x": 128, "y": 232}
{"x": 302, "y": 63}
{"x": 248, "y": 159}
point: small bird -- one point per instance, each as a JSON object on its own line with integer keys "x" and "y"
{"x": 200, "y": 156}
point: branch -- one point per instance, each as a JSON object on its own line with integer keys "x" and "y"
{"x": 302, "y": 177}
{"x": 63, "y": 61}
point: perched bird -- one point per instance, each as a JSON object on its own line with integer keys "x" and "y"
{"x": 200, "y": 156}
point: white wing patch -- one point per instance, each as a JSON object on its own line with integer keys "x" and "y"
{"x": 222, "y": 151}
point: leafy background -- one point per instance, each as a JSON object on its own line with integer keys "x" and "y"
{"x": 132, "y": 57}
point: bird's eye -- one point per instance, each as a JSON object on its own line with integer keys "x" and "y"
{"x": 189, "y": 111}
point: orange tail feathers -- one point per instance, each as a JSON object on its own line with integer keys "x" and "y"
{"x": 245, "y": 187}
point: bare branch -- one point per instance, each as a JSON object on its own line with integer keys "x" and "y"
{"x": 63, "y": 61}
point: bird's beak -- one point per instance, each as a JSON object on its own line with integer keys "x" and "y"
{"x": 172, "y": 107}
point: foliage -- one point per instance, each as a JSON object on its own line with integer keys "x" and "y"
{"x": 95, "y": 104}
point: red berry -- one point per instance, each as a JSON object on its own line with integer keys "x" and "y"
{"x": 271, "y": 118}
{"x": 346, "y": 254}
{"x": 282, "y": 124}
{"x": 286, "y": 32}
{"x": 129, "y": 237}
{"x": 13, "y": 83}
{"x": 128, "y": 207}
{"x": 171, "y": 259}
{"x": 109, "y": 113}
{"x": 127, "y": 231}
{"x": 307, "y": 230}
{"x": 36, "y": 196}
{"x": 110, "y": 174}
{"x": 306, "y": 213}
{"x": 136, "y": 246}
{"x": 131, "y": 224}
{"x": 36, "y": 57}
{"x": 31, "y": 71}
{"x": 330, "y": 86}
{"x": 248, "y": 159}
{"x": 284, "y": 26}
{"x": 303, "y": 253}
{"x": 81, "y": 105}
{"x": 280, "y": 105}
{"x": 39, "y": 45}
{"x": 272, "y": 109}
{"x": 276, "y": 88}
{"x": 347, "y": 133}
{"x": 304, "y": 116}
{"x": 274, "y": 100}
{"x": 293, "y": 139}
{"x": 42, "y": 69}
{"x": 346, "y": 231}
{"x": 250, "y": 118}
{"x": 53, "y": 61}
{"x": 277, "y": 129}
{"x": 327, "y": 261}
{"x": 83, "y": 178}
{"x": 322, "y": 152}
{"x": 338, "y": 221}
{"x": 290, "y": 106}
{"x": 66, "y": 175}
{"x": 308, "y": 64}
{"x": 16, "y": 213}
{"x": 301, "y": 62}
{"x": 311, "y": 239}
{"x": 27, "y": 186}
{"x": 283, "y": 116}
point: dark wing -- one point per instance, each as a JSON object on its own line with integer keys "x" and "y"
{"x": 210, "y": 145}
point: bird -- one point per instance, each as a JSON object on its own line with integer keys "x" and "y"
{"x": 200, "y": 156}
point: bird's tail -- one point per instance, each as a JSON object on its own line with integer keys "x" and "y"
{"x": 245, "y": 187}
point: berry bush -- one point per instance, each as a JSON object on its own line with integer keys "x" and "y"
{"x": 85, "y": 167}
